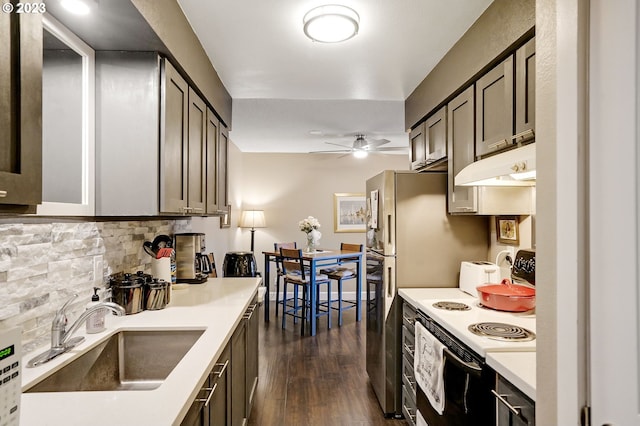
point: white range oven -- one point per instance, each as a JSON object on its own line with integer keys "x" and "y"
{"x": 467, "y": 331}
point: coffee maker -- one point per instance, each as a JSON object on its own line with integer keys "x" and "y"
{"x": 192, "y": 263}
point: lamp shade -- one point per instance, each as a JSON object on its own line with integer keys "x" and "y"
{"x": 252, "y": 219}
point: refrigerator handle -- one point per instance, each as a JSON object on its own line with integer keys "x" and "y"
{"x": 390, "y": 237}
{"x": 391, "y": 283}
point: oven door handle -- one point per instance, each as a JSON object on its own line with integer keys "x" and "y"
{"x": 469, "y": 367}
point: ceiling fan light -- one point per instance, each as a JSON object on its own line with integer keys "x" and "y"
{"x": 331, "y": 23}
{"x": 359, "y": 153}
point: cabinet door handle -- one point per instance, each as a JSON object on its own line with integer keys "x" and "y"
{"x": 213, "y": 389}
{"x": 208, "y": 399}
{"x": 222, "y": 370}
{"x": 502, "y": 398}
{"x": 3, "y": 193}
{"x": 524, "y": 134}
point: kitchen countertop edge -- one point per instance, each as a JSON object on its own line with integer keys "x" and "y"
{"x": 514, "y": 366}
{"x": 216, "y": 307}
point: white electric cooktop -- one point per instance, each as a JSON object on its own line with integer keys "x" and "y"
{"x": 457, "y": 322}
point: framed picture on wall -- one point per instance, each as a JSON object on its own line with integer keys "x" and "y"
{"x": 507, "y": 230}
{"x": 225, "y": 219}
{"x": 349, "y": 212}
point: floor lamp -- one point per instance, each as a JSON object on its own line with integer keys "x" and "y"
{"x": 252, "y": 219}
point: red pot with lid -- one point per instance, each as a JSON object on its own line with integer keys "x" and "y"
{"x": 507, "y": 296}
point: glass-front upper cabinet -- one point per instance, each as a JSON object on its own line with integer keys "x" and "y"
{"x": 68, "y": 123}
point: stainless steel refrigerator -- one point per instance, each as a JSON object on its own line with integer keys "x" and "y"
{"x": 411, "y": 242}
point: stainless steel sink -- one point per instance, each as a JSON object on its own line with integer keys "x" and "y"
{"x": 128, "y": 360}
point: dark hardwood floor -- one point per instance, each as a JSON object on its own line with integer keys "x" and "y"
{"x": 315, "y": 381}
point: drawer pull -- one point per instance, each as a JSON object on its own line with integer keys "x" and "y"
{"x": 409, "y": 349}
{"x": 412, "y": 383}
{"x": 222, "y": 370}
{"x": 213, "y": 389}
{"x": 3, "y": 193}
{"x": 410, "y": 413}
{"x": 502, "y": 398}
{"x": 411, "y": 321}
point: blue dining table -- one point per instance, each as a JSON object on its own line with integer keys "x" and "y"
{"x": 317, "y": 260}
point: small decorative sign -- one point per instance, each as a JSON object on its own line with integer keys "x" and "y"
{"x": 507, "y": 230}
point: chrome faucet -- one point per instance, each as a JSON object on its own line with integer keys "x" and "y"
{"x": 61, "y": 340}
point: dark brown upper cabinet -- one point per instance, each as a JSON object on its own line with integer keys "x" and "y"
{"x": 417, "y": 147}
{"x": 222, "y": 168}
{"x": 20, "y": 112}
{"x": 505, "y": 102}
{"x": 428, "y": 143}
{"x": 461, "y": 147}
{"x": 494, "y": 109}
{"x": 525, "y": 91}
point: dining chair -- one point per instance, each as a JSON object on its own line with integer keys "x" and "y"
{"x": 296, "y": 274}
{"x": 341, "y": 274}
{"x": 279, "y": 272}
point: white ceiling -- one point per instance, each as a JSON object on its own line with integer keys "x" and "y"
{"x": 284, "y": 85}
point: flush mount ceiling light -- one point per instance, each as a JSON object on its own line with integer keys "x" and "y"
{"x": 77, "y": 7}
{"x": 331, "y": 23}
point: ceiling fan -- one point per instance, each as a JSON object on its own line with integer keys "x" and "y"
{"x": 362, "y": 146}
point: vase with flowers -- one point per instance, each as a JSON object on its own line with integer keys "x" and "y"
{"x": 310, "y": 226}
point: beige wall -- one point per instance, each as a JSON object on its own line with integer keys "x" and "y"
{"x": 503, "y": 24}
{"x": 218, "y": 240}
{"x": 290, "y": 187}
{"x": 166, "y": 18}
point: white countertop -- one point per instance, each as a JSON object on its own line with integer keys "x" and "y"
{"x": 517, "y": 367}
{"x": 215, "y": 306}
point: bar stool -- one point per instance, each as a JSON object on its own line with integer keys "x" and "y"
{"x": 279, "y": 272}
{"x": 340, "y": 274}
{"x": 297, "y": 275}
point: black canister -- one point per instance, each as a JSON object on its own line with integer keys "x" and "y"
{"x": 240, "y": 264}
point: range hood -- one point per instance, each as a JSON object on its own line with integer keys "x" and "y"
{"x": 516, "y": 167}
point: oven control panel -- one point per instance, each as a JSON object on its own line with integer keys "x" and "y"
{"x": 524, "y": 266}
{"x": 10, "y": 376}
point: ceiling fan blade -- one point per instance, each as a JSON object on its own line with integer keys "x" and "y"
{"x": 390, "y": 148}
{"x": 332, "y": 151}
{"x": 372, "y": 143}
{"x": 337, "y": 144}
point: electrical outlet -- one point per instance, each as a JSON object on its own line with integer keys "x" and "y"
{"x": 512, "y": 252}
{"x": 98, "y": 270}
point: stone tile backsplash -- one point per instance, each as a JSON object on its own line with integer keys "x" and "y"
{"x": 42, "y": 265}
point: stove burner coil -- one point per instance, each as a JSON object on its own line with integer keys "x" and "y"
{"x": 502, "y": 331}
{"x": 451, "y": 306}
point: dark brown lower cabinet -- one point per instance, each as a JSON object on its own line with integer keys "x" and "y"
{"x": 218, "y": 413}
{"x": 238, "y": 379}
{"x": 226, "y": 397}
{"x": 252, "y": 319}
{"x": 195, "y": 415}
{"x": 212, "y": 406}
{"x": 513, "y": 407}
